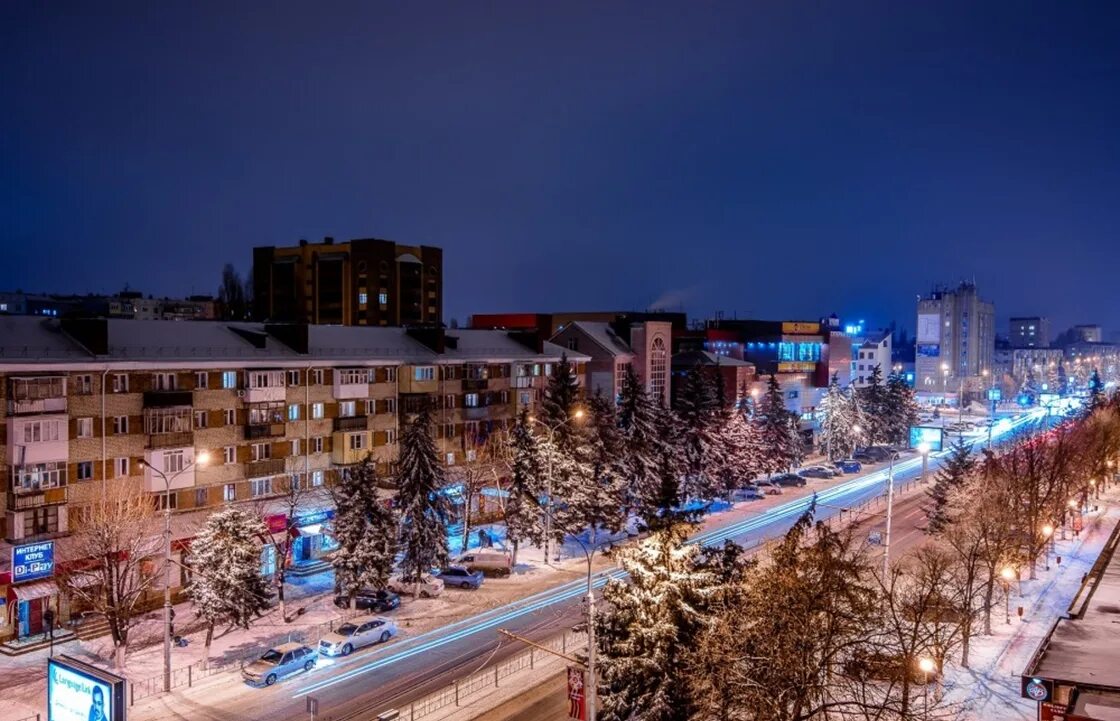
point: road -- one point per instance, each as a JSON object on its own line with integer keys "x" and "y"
{"x": 392, "y": 675}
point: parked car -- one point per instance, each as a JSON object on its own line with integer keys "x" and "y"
{"x": 816, "y": 472}
{"x": 770, "y": 489}
{"x": 278, "y": 662}
{"x": 788, "y": 479}
{"x": 488, "y": 560}
{"x": 368, "y": 599}
{"x": 461, "y": 577}
{"x": 428, "y": 587}
{"x": 849, "y": 465}
{"x": 356, "y": 633}
{"x": 750, "y": 493}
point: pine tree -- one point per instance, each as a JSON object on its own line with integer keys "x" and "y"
{"x": 775, "y": 421}
{"x": 658, "y": 504}
{"x": 645, "y": 635}
{"x": 952, "y": 476}
{"x": 424, "y": 509}
{"x": 597, "y": 502}
{"x": 840, "y": 419}
{"x": 559, "y": 404}
{"x": 873, "y": 402}
{"x": 1097, "y": 397}
{"x": 523, "y": 515}
{"x": 227, "y": 585}
{"x": 902, "y": 409}
{"x": 636, "y": 420}
{"x": 366, "y": 532}
{"x": 697, "y": 407}
{"x": 740, "y": 454}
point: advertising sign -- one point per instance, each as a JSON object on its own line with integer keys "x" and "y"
{"x": 927, "y": 434}
{"x": 77, "y": 691}
{"x": 929, "y": 328}
{"x": 801, "y": 328}
{"x": 928, "y": 350}
{"x": 32, "y": 561}
{"x": 1037, "y": 689}
{"x": 995, "y": 394}
{"x": 797, "y": 367}
{"x": 577, "y": 699}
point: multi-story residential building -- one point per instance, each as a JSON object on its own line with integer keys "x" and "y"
{"x": 1088, "y": 333}
{"x": 955, "y": 340}
{"x": 278, "y": 411}
{"x": 364, "y": 281}
{"x": 1030, "y": 332}
{"x": 871, "y": 351}
{"x": 645, "y": 346}
{"x": 126, "y": 304}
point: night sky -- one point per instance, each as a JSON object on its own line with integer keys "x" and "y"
{"x": 773, "y": 159}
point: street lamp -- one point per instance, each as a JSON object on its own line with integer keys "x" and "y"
{"x": 1047, "y": 541}
{"x": 200, "y": 460}
{"x": 1005, "y": 576}
{"x": 576, "y": 415}
{"x": 890, "y": 509}
{"x": 923, "y": 449}
{"x": 926, "y": 666}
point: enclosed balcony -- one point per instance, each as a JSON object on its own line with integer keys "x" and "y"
{"x": 38, "y": 439}
{"x": 264, "y": 467}
{"x": 264, "y": 420}
{"x": 350, "y": 423}
{"x": 265, "y": 386}
{"x": 37, "y": 498}
{"x": 351, "y": 383}
{"x": 169, "y": 427}
{"x": 36, "y": 394}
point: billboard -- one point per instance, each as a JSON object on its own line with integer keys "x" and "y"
{"x": 929, "y": 328}
{"x": 77, "y": 691}
{"x": 995, "y": 394}
{"x": 32, "y": 561}
{"x": 926, "y": 434}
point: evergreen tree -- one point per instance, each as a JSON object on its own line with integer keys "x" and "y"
{"x": 596, "y": 501}
{"x": 559, "y": 404}
{"x": 779, "y": 445}
{"x": 697, "y": 407}
{"x": 1097, "y": 396}
{"x": 659, "y": 504}
{"x": 902, "y": 409}
{"x": 366, "y": 532}
{"x": 227, "y": 585}
{"x": 840, "y": 416}
{"x": 873, "y": 402}
{"x": 637, "y": 456}
{"x": 523, "y": 515}
{"x": 424, "y": 509}
{"x": 952, "y": 476}
{"x": 740, "y": 455}
{"x": 652, "y": 620}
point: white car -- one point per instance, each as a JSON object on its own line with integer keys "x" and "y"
{"x": 356, "y": 633}
{"x": 429, "y": 586}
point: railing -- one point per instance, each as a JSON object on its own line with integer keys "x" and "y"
{"x": 37, "y": 498}
{"x": 350, "y": 423}
{"x": 263, "y": 430}
{"x": 266, "y": 467}
{"x": 177, "y": 439}
{"x": 168, "y": 398}
{"x": 475, "y": 384}
{"x": 36, "y": 405}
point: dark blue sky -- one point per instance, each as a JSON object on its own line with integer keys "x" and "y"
{"x": 780, "y": 159}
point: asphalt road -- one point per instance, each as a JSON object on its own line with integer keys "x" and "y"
{"x": 388, "y": 677}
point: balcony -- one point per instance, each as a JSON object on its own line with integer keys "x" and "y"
{"x": 350, "y": 423}
{"x": 36, "y": 394}
{"x": 266, "y": 467}
{"x": 475, "y": 384}
{"x": 22, "y": 500}
{"x": 476, "y": 413}
{"x": 263, "y": 430}
{"x": 180, "y": 439}
{"x": 167, "y": 399}
{"x": 36, "y": 405}
{"x": 266, "y": 394}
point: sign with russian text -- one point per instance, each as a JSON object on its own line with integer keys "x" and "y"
{"x": 801, "y": 328}
{"x": 577, "y": 694}
{"x": 32, "y": 561}
{"x": 77, "y": 691}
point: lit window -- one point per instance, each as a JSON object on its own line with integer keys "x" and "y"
{"x": 229, "y": 379}
{"x": 229, "y": 454}
{"x": 423, "y": 373}
{"x": 293, "y": 412}
{"x": 362, "y": 298}
{"x": 383, "y": 297}
{"x": 317, "y": 410}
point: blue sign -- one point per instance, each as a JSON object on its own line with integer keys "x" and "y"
{"x": 995, "y": 394}
{"x": 930, "y": 435}
{"x": 77, "y": 691}
{"x": 313, "y": 517}
{"x": 33, "y": 561}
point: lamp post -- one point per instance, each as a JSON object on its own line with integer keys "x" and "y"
{"x": 1047, "y": 541}
{"x": 923, "y": 449}
{"x": 926, "y": 666}
{"x": 1005, "y": 576}
{"x": 201, "y": 460}
{"x": 890, "y": 510}
{"x": 576, "y": 415}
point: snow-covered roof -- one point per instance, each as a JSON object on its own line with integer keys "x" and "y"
{"x": 690, "y": 358}
{"x": 603, "y": 335}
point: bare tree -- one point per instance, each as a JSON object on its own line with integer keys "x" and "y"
{"x": 475, "y": 473}
{"x": 118, "y": 538}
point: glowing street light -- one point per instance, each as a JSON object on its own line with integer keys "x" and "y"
{"x": 1006, "y": 576}
{"x": 923, "y": 449}
{"x": 926, "y": 666}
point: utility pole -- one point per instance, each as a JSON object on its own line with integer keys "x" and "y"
{"x": 890, "y": 508}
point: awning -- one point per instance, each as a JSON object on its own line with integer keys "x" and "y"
{"x": 37, "y": 589}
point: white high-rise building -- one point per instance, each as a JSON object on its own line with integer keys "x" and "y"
{"x": 955, "y": 339}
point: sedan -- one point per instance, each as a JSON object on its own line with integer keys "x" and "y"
{"x": 750, "y": 493}
{"x": 428, "y": 587}
{"x": 278, "y": 662}
{"x": 849, "y": 465}
{"x": 461, "y": 577}
{"x": 358, "y": 632}
{"x": 816, "y": 472}
{"x": 369, "y": 600}
{"x": 789, "y": 479}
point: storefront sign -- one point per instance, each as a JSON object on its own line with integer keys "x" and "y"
{"x": 32, "y": 561}
{"x": 797, "y": 367}
{"x": 314, "y": 517}
{"x": 77, "y": 691}
{"x": 801, "y": 328}
{"x": 995, "y": 394}
{"x": 1037, "y": 689}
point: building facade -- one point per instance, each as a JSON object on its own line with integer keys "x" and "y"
{"x": 955, "y": 340}
{"x": 366, "y": 281}
{"x": 614, "y": 348}
{"x": 277, "y": 411}
{"x": 868, "y": 353}
{"x": 1030, "y": 332}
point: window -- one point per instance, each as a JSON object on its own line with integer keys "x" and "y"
{"x": 120, "y": 383}
{"x": 295, "y": 447}
{"x": 449, "y": 401}
{"x": 470, "y": 400}
{"x": 573, "y": 343}
{"x": 390, "y": 405}
{"x": 363, "y": 298}
{"x": 351, "y": 376}
{"x": 657, "y": 367}
{"x": 173, "y": 461}
{"x": 293, "y": 411}
{"x": 39, "y": 431}
{"x": 317, "y": 376}
{"x": 261, "y": 451}
{"x": 229, "y": 379}
{"x": 316, "y": 410}
{"x": 200, "y": 499}
{"x": 200, "y": 419}
{"x": 450, "y": 459}
{"x": 38, "y": 521}
{"x": 423, "y": 373}
{"x": 230, "y": 416}
{"x": 383, "y": 298}
{"x": 472, "y": 455}
{"x": 85, "y": 470}
{"x": 83, "y": 385}
{"x": 164, "y": 381}
{"x": 503, "y": 397}
{"x": 357, "y": 441}
{"x": 120, "y": 467}
{"x": 390, "y": 436}
{"x": 296, "y": 482}
{"x": 229, "y": 455}
{"x": 201, "y": 380}
{"x": 229, "y": 492}
{"x": 316, "y": 478}
{"x": 526, "y": 398}
{"x": 120, "y": 425}
{"x": 391, "y": 375}
{"x": 317, "y": 444}
{"x": 293, "y": 378}
{"x": 347, "y": 409}
{"x": 260, "y": 487}
{"x": 51, "y": 474}
{"x": 449, "y": 430}
{"x": 166, "y": 501}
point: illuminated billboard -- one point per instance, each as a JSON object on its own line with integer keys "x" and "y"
{"x": 995, "y": 394}
{"x": 929, "y": 328}
{"x": 926, "y": 434}
{"x": 32, "y": 561}
{"x": 77, "y": 691}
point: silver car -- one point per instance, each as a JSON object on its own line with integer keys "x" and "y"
{"x": 278, "y": 662}
{"x": 356, "y": 633}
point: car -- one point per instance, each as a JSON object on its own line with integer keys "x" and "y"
{"x": 368, "y": 599}
{"x": 461, "y": 577}
{"x": 279, "y": 662}
{"x": 750, "y": 493}
{"x": 488, "y": 560}
{"x": 428, "y": 587}
{"x": 788, "y": 479}
{"x": 849, "y": 465}
{"x": 356, "y": 633}
{"x": 816, "y": 472}
{"x": 771, "y": 489}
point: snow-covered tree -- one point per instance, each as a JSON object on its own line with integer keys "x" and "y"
{"x": 902, "y": 409}
{"x": 227, "y": 586}
{"x": 952, "y": 475}
{"x": 740, "y": 454}
{"x": 1097, "y": 397}
{"x": 559, "y": 405}
{"x": 636, "y": 420}
{"x": 366, "y": 531}
{"x": 657, "y": 504}
{"x": 596, "y": 500}
{"x": 698, "y": 408}
{"x": 423, "y": 508}
{"x": 872, "y": 400}
{"x": 776, "y": 424}
{"x": 645, "y": 635}
{"x": 840, "y": 420}
{"x": 522, "y": 507}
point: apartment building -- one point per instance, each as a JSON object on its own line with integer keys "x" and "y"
{"x": 203, "y": 414}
